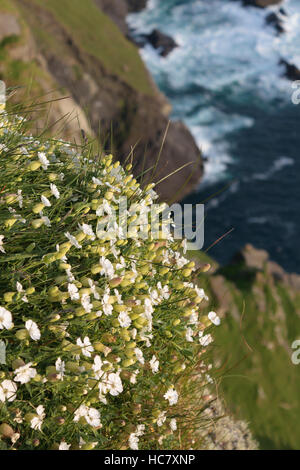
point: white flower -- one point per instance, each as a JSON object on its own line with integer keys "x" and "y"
{"x": 154, "y": 364}
{"x": 173, "y": 424}
{"x": 86, "y": 346}
{"x": 161, "y": 418}
{"x": 8, "y": 390}
{"x": 64, "y": 446}
{"x": 91, "y": 415}
{"x": 140, "y": 430}
{"x": 200, "y": 293}
{"x": 93, "y": 418}
{"x": 15, "y": 437}
{"x": 20, "y": 289}
{"x": 87, "y": 229}
{"x": 54, "y": 190}
{"x": 114, "y": 384}
{"x": 107, "y": 267}
{"x": 33, "y": 330}
{"x": 124, "y": 319}
{"x": 46, "y": 220}
{"x": 134, "y": 376}
{"x": 60, "y": 368}
{"x": 1, "y": 244}
{"x": 73, "y": 291}
{"x": 189, "y": 335}
{"x": 134, "y": 437}
{"x": 213, "y": 317}
{"x": 139, "y": 355}
{"x": 73, "y": 240}
{"x": 93, "y": 289}
{"x": 25, "y": 373}
{"x": 85, "y": 302}
{"x": 107, "y": 307}
{"x": 133, "y": 441}
{"x": 172, "y": 396}
{"x": 97, "y": 181}
{"x": 44, "y": 160}
{"x": 97, "y": 367}
{"x": 5, "y": 319}
{"x": 45, "y": 201}
{"x": 37, "y": 421}
{"x": 204, "y": 340}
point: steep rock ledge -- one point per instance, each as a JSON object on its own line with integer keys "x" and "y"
{"x": 122, "y": 97}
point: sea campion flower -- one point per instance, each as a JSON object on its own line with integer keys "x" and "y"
{"x": 64, "y": 446}
{"x": 213, "y": 317}
{"x": 1, "y": 244}
{"x": 91, "y": 415}
{"x": 73, "y": 291}
{"x": 114, "y": 384}
{"x": 154, "y": 364}
{"x": 45, "y": 201}
{"x": 124, "y": 319}
{"x": 205, "y": 340}
{"x": 37, "y": 421}
{"x": 5, "y": 319}
{"x": 44, "y": 160}
{"x": 86, "y": 346}
{"x": 25, "y": 373}
{"x": 54, "y": 190}
{"x": 172, "y": 396}
{"x": 173, "y": 424}
{"x": 8, "y": 390}
{"x": 60, "y": 368}
{"x": 33, "y": 330}
{"x": 73, "y": 240}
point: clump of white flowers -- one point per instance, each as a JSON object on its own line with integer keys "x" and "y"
{"x": 101, "y": 330}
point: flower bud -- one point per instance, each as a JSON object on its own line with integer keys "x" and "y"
{"x": 128, "y": 362}
{"x": 115, "y": 282}
{"x": 8, "y": 296}
{"x": 37, "y": 223}
{"x": 22, "y": 334}
{"x": 38, "y": 208}
{"x": 9, "y": 223}
{"x": 16, "y": 363}
{"x": 33, "y": 166}
{"x": 6, "y": 430}
{"x": 30, "y": 290}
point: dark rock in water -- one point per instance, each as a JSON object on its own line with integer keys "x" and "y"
{"x": 136, "y": 5}
{"x": 261, "y": 3}
{"x": 276, "y": 20}
{"x": 291, "y": 71}
{"x": 161, "y": 41}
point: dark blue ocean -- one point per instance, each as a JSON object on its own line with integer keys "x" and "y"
{"x": 225, "y": 82}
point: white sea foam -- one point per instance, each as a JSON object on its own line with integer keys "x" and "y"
{"x": 223, "y": 48}
{"x": 277, "y": 166}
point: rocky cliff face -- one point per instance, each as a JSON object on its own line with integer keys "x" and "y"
{"x": 88, "y": 57}
{"x": 259, "y": 304}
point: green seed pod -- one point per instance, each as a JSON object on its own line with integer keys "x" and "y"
{"x": 22, "y": 334}
{"x": 8, "y": 223}
{"x": 6, "y": 430}
{"x": 38, "y": 208}
{"x": 33, "y": 166}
